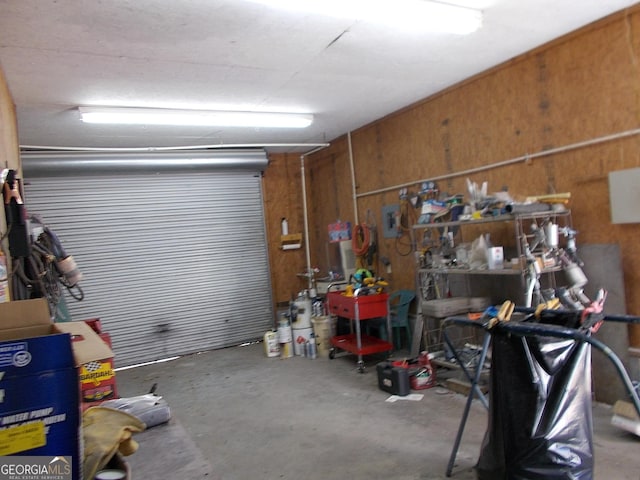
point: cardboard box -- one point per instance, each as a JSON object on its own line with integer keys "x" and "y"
{"x": 39, "y": 383}
{"x": 95, "y": 325}
{"x": 96, "y": 375}
{"x": 39, "y": 411}
{"x": 106, "y": 389}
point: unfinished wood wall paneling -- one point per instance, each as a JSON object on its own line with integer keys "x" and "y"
{"x": 283, "y": 198}
{"x": 329, "y": 198}
{"x": 9, "y": 146}
{"x": 576, "y": 88}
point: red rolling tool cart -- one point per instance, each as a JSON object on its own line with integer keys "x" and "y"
{"x": 359, "y": 308}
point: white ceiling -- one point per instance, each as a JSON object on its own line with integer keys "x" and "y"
{"x": 224, "y": 54}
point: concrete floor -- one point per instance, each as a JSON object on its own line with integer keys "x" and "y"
{"x": 238, "y": 415}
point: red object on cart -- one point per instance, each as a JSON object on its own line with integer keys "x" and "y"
{"x": 359, "y": 308}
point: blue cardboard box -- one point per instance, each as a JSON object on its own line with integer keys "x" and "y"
{"x": 39, "y": 384}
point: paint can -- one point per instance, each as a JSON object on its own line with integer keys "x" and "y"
{"x": 312, "y": 350}
{"x": 285, "y": 336}
{"x": 286, "y": 350}
{"x": 271, "y": 345}
{"x": 323, "y": 331}
{"x": 111, "y": 474}
{"x": 284, "y": 330}
{"x": 300, "y": 337}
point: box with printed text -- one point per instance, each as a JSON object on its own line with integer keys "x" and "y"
{"x": 39, "y": 383}
{"x": 98, "y": 379}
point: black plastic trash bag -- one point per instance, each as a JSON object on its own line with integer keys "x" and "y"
{"x": 540, "y": 419}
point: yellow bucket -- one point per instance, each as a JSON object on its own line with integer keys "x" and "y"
{"x": 323, "y": 329}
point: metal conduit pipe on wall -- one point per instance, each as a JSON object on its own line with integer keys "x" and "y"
{"x": 521, "y": 159}
{"x": 306, "y": 214}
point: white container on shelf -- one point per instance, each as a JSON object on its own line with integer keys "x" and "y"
{"x": 495, "y": 258}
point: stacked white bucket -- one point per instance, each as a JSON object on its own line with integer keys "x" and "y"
{"x": 302, "y": 330}
{"x": 285, "y": 336}
{"x": 302, "y": 325}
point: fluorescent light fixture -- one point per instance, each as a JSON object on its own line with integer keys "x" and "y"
{"x": 421, "y": 15}
{"x": 204, "y": 118}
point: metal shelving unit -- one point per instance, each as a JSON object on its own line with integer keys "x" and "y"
{"x": 432, "y": 280}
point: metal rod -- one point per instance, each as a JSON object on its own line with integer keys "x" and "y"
{"x": 183, "y": 147}
{"x": 353, "y": 181}
{"x": 305, "y": 216}
{"x": 606, "y": 318}
{"x": 470, "y": 377}
{"x": 520, "y": 159}
{"x": 474, "y": 384}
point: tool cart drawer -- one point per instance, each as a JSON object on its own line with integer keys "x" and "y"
{"x": 369, "y": 306}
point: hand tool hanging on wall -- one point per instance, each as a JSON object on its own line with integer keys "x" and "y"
{"x": 361, "y": 241}
{"x": 16, "y": 216}
{"x": 48, "y": 268}
{"x": 364, "y": 244}
{"x": 406, "y": 218}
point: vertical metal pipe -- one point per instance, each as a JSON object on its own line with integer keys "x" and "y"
{"x": 306, "y": 223}
{"x": 305, "y": 215}
{"x": 353, "y": 181}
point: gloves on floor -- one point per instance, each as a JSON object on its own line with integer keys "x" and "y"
{"x": 107, "y": 431}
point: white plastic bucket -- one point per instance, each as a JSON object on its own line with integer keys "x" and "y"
{"x": 303, "y": 313}
{"x": 300, "y": 337}
{"x": 284, "y": 331}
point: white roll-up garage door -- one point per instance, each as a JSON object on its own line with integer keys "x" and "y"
{"x": 174, "y": 259}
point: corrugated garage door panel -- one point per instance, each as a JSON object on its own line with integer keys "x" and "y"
{"x": 173, "y": 263}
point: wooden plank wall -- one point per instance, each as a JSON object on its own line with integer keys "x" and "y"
{"x": 9, "y": 146}
{"x": 282, "y": 193}
{"x": 577, "y": 88}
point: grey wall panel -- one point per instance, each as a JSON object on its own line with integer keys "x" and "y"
{"x": 173, "y": 263}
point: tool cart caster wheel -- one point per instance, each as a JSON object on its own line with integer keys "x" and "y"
{"x": 332, "y": 353}
{"x": 360, "y": 366}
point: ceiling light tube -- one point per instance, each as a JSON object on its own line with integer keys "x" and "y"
{"x": 205, "y": 118}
